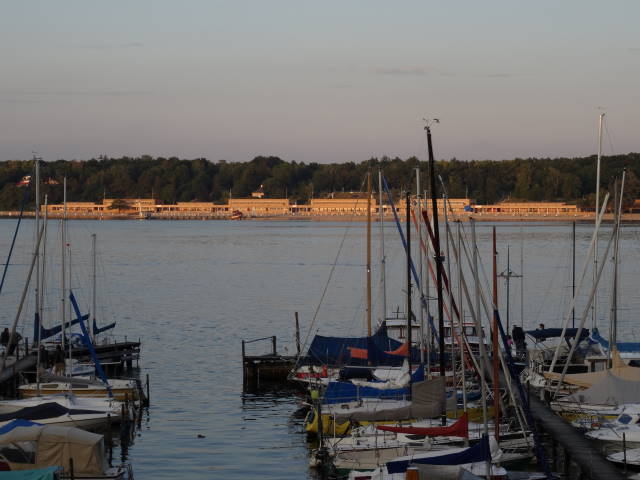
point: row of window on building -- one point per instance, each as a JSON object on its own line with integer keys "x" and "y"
{"x": 320, "y": 206}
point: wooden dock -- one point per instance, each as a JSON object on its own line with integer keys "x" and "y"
{"x": 269, "y": 367}
{"x": 577, "y": 448}
{"x": 15, "y": 366}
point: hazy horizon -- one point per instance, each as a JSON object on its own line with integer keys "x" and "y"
{"x": 331, "y": 82}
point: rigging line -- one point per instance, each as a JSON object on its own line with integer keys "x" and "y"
{"x": 25, "y": 196}
{"x": 326, "y": 286}
{"x": 606, "y": 130}
{"x": 423, "y": 298}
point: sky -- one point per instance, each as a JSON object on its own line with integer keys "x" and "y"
{"x": 331, "y": 81}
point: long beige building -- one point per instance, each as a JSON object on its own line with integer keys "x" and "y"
{"x": 339, "y": 205}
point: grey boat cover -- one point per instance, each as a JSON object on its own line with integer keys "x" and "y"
{"x": 443, "y": 472}
{"x": 609, "y": 390}
{"x": 55, "y": 445}
{"x": 427, "y": 402}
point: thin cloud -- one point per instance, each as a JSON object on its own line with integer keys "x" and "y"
{"x": 499, "y": 75}
{"x": 402, "y": 71}
{"x": 633, "y": 49}
{"x": 109, "y": 46}
{"x": 19, "y": 100}
{"x": 80, "y": 93}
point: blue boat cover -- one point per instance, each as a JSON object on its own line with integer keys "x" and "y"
{"x": 44, "y": 410}
{"x": 342, "y": 350}
{"x": 47, "y": 473}
{"x": 623, "y": 347}
{"x": 339, "y": 392}
{"x": 16, "y": 423}
{"x": 480, "y": 452}
{"x": 50, "y": 332}
{"x": 97, "y": 330}
{"x": 542, "y": 333}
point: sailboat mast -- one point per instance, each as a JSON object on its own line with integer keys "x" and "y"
{"x": 37, "y": 290}
{"x": 409, "y": 322}
{"x": 63, "y": 279}
{"x": 452, "y": 322}
{"x": 44, "y": 256}
{"x": 93, "y": 282}
{"x": 495, "y": 346}
{"x": 37, "y": 253}
{"x": 382, "y": 256}
{"x": 478, "y": 322}
{"x": 70, "y": 312}
{"x": 594, "y": 312}
{"x": 613, "y": 328}
{"x": 438, "y": 257}
{"x": 369, "y": 253}
{"x": 420, "y": 261}
{"x": 463, "y": 365}
{"x": 573, "y": 274}
{"x": 522, "y": 276}
{"x": 508, "y": 279}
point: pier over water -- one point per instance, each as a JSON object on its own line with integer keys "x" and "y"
{"x": 580, "y": 451}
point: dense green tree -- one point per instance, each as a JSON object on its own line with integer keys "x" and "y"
{"x": 172, "y": 179}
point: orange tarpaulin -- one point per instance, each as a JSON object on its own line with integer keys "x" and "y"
{"x": 458, "y": 429}
{"x": 358, "y": 352}
{"x": 401, "y": 350}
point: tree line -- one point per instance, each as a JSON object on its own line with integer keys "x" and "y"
{"x": 171, "y": 180}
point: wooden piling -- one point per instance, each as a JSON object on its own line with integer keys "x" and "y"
{"x": 273, "y": 340}
{"x": 566, "y": 463}
{"x": 297, "y": 334}
{"x": 624, "y": 450}
{"x": 108, "y": 436}
{"x": 148, "y": 394}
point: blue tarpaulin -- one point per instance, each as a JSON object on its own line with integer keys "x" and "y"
{"x": 97, "y": 330}
{"x": 48, "y": 473}
{"x": 623, "y": 347}
{"x": 542, "y": 333}
{"x": 50, "y": 332}
{"x": 338, "y": 392}
{"x": 480, "y": 452}
{"x": 16, "y": 423}
{"x": 340, "y": 350}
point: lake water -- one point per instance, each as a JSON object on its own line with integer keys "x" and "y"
{"x": 193, "y": 290}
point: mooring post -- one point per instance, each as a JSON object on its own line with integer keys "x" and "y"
{"x": 273, "y": 340}
{"x": 624, "y": 450}
{"x": 148, "y": 391}
{"x": 297, "y": 334}
{"x": 567, "y": 463}
{"x": 243, "y": 351}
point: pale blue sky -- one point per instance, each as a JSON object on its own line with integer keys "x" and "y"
{"x": 317, "y": 81}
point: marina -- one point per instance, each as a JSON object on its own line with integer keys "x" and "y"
{"x": 268, "y": 415}
{"x": 325, "y": 241}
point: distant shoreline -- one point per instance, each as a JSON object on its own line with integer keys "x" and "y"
{"x": 502, "y": 217}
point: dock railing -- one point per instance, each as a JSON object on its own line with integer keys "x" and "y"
{"x": 274, "y": 350}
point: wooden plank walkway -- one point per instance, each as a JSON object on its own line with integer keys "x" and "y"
{"x": 12, "y": 367}
{"x": 592, "y": 464}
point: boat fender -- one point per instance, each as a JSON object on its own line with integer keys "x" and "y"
{"x": 325, "y": 371}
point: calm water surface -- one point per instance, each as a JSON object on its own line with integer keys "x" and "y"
{"x": 193, "y": 290}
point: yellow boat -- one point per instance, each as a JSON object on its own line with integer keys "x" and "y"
{"x": 330, "y": 427}
{"x": 121, "y": 389}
